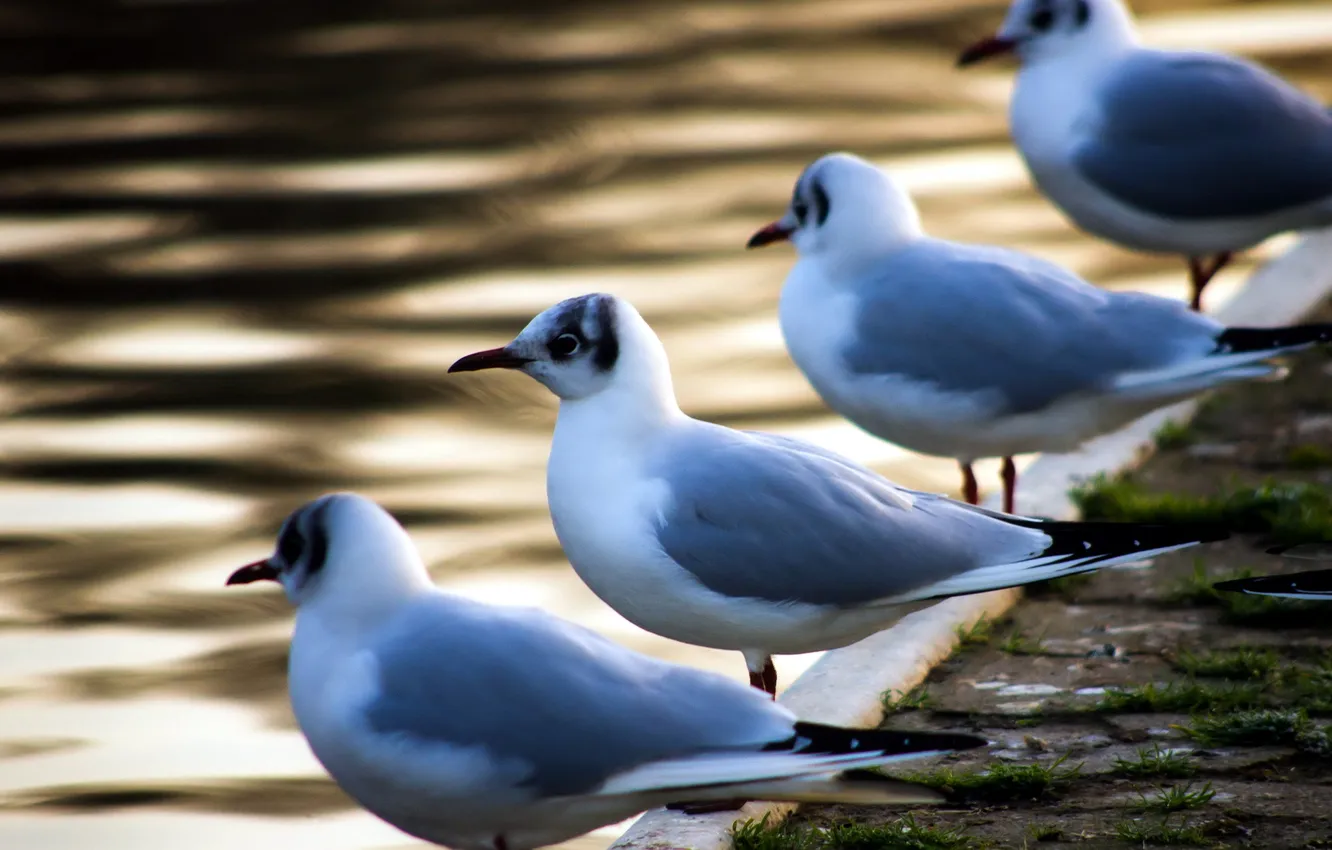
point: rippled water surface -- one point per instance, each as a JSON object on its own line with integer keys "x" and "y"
{"x": 242, "y": 241}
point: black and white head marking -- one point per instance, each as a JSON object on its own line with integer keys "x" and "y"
{"x": 809, "y": 202}
{"x": 608, "y": 346}
{"x": 1044, "y": 16}
{"x": 584, "y": 326}
{"x": 302, "y": 547}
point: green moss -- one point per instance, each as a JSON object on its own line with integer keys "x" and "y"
{"x": 1265, "y": 727}
{"x": 1162, "y": 833}
{"x": 1288, "y": 513}
{"x": 979, "y": 633}
{"x": 1156, "y": 763}
{"x": 916, "y": 699}
{"x": 901, "y": 834}
{"x": 1179, "y": 697}
{"x": 1046, "y": 832}
{"x": 1242, "y": 664}
{"x": 1309, "y": 456}
{"x": 1175, "y": 435}
{"x": 1002, "y": 781}
{"x": 761, "y": 835}
{"x": 1017, "y": 643}
{"x": 1177, "y": 798}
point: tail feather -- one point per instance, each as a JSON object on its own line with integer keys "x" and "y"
{"x": 813, "y": 755}
{"x": 1113, "y": 539}
{"x": 1274, "y": 340}
{"x": 811, "y": 738}
{"x": 1240, "y": 354}
{"x": 1316, "y": 584}
{"x": 1075, "y": 547}
{"x": 855, "y": 787}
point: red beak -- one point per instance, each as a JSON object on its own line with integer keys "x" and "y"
{"x": 493, "y": 358}
{"x": 250, "y": 573}
{"x": 984, "y": 49}
{"x": 768, "y": 235}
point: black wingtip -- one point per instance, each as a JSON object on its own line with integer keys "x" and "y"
{"x": 817, "y": 738}
{"x": 1110, "y": 539}
{"x": 1241, "y": 340}
{"x": 1316, "y": 584}
{"x": 1321, "y": 551}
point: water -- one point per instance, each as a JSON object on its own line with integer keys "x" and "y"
{"x": 242, "y": 241}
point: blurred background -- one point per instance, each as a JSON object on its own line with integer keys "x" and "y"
{"x": 241, "y": 241}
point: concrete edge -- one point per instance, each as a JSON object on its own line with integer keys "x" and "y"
{"x": 845, "y": 686}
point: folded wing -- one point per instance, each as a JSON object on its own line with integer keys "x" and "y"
{"x": 1206, "y": 136}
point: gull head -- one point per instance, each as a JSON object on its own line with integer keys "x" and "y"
{"x": 340, "y": 545}
{"x": 582, "y": 347}
{"x": 844, "y": 210}
{"x": 1037, "y": 30}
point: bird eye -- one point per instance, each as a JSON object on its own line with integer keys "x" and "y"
{"x": 1042, "y": 19}
{"x": 801, "y": 209}
{"x": 564, "y": 346}
{"x": 1082, "y": 12}
{"x": 290, "y": 545}
{"x": 822, "y": 206}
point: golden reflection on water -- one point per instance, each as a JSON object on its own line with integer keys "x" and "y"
{"x": 233, "y": 283}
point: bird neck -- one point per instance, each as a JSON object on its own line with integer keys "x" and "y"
{"x": 361, "y": 599}
{"x": 638, "y": 401}
{"x": 845, "y": 267}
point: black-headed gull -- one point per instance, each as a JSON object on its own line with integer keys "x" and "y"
{"x": 1191, "y": 153}
{"x": 750, "y": 541}
{"x": 488, "y": 728}
{"x": 969, "y": 351}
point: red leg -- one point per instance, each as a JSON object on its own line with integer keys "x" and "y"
{"x": 766, "y": 679}
{"x": 500, "y": 843}
{"x": 1201, "y": 272}
{"x": 1009, "y": 474}
{"x": 970, "y": 489}
{"x": 770, "y": 678}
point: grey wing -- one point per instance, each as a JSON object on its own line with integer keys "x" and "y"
{"x": 1201, "y": 135}
{"x": 530, "y": 687}
{"x": 775, "y": 519}
{"x": 1016, "y": 330}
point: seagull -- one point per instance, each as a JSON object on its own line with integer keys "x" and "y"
{"x": 1177, "y": 152}
{"x": 970, "y": 351}
{"x": 1315, "y": 584}
{"x": 482, "y": 727}
{"x": 749, "y": 541}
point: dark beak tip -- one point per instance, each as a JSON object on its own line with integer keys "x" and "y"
{"x": 984, "y": 49}
{"x": 492, "y": 358}
{"x": 766, "y": 236}
{"x": 250, "y": 573}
